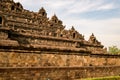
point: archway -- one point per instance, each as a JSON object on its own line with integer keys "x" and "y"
{"x": 12, "y": 8}
{"x": 74, "y": 35}
{"x": 43, "y": 13}
{"x": 0, "y": 20}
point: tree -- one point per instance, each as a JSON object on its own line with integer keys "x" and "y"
{"x": 114, "y": 50}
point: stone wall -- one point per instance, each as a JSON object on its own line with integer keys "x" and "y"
{"x": 57, "y": 73}
{"x": 49, "y": 65}
{"x": 39, "y": 59}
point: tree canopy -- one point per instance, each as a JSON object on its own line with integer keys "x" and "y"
{"x": 114, "y": 50}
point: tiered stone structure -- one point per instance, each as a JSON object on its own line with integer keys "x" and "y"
{"x": 20, "y": 28}
{"x": 23, "y": 31}
{"x": 30, "y": 39}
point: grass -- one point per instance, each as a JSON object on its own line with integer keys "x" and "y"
{"x": 103, "y": 78}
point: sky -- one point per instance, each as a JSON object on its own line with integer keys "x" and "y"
{"x": 101, "y": 17}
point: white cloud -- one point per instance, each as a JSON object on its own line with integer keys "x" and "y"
{"x": 57, "y": 3}
{"x": 107, "y": 30}
{"x": 72, "y": 5}
{"x": 106, "y": 6}
{"x": 110, "y": 40}
{"x": 67, "y": 6}
{"x": 51, "y": 4}
{"x": 90, "y": 5}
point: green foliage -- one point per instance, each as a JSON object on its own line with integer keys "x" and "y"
{"x": 114, "y": 50}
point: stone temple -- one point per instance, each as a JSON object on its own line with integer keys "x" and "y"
{"x": 22, "y": 29}
{"x": 34, "y": 47}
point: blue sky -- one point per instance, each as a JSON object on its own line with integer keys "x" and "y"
{"x": 101, "y": 17}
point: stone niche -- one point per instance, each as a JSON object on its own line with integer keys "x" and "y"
{"x": 3, "y": 35}
{"x": 1, "y": 20}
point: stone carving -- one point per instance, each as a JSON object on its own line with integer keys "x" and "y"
{"x": 35, "y": 30}
{"x": 93, "y": 40}
{"x": 42, "y": 12}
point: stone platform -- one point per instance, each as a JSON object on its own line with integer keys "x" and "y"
{"x": 57, "y": 73}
